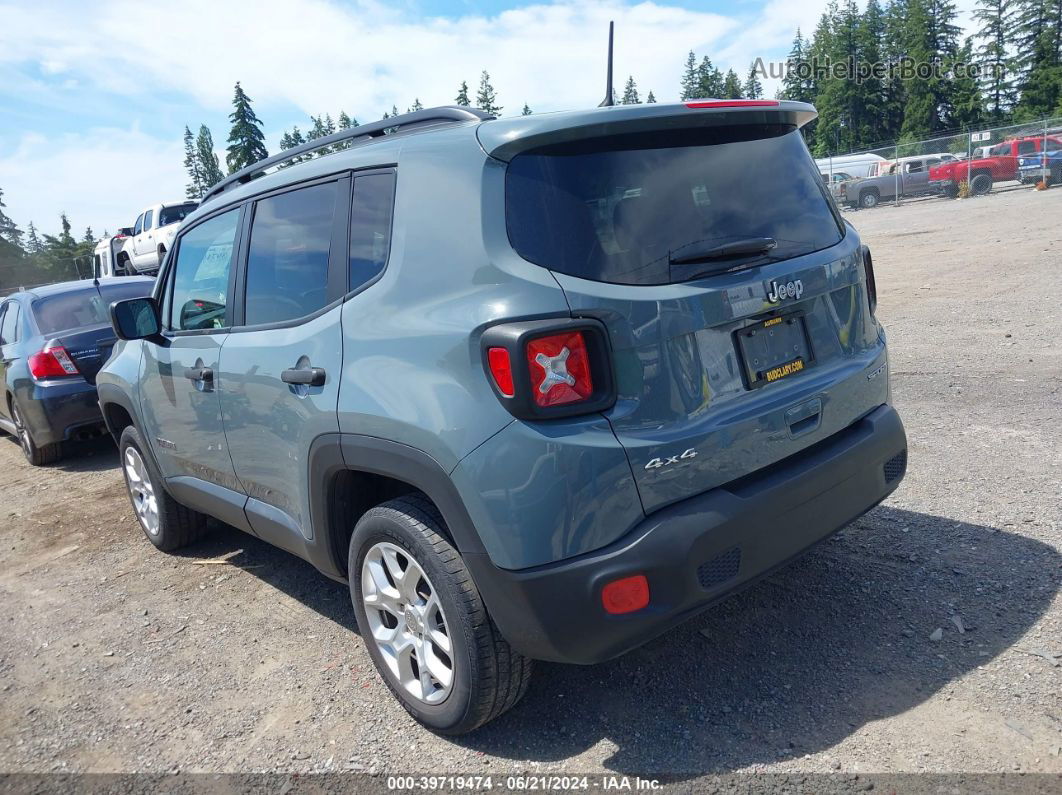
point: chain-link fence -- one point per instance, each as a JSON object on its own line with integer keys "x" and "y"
{"x": 976, "y": 161}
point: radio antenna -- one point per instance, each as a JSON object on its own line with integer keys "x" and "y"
{"x": 608, "y": 101}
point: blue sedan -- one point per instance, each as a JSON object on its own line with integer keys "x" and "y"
{"x": 53, "y": 341}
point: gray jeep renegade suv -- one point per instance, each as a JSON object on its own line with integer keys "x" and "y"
{"x": 536, "y": 388}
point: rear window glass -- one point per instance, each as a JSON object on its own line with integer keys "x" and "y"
{"x": 171, "y": 215}
{"x": 84, "y": 307}
{"x": 619, "y": 209}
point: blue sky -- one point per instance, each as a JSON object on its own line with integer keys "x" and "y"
{"x": 94, "y": 96}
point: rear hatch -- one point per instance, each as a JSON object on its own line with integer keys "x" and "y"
{"x": 733, "y": 294}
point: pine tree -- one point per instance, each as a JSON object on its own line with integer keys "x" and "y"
{"x": 297, "y": 139}
{"x": 209, "y": 166}
{"x": 345, "y": 122}
{"x": 753, "y": 88}
{"x": 486, "y": 98}
{"x": 795, "y": 85}
{"x": 630, "y": 93}
{"x": 462, "y": 95}
{"x": 894, "y": 87}
{"x": 690, "y": 83}
{"x": 194, "y": 188}
{"x": 710, "y": 81}
{"x": 9, "y": 231}
{"x": 968, "y": 107}
{"x": 246, "y": 140}
{"x": 415, "y": 106}
{"x": 1038, "y": 43}
{"x": 650, "y": 99}
{"x": 89, "y": 238}
{"x": 870, "y": 43}
{"x": 285, "y": 141}
{"x": 526, "y": 111}
{"x": 731, "y": 85}
{"x": 920, "y": 117}
{"x": 33, "y": 241}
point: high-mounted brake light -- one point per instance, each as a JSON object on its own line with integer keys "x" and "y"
{"x": 625, "y": 595}
{"x": 735, "y": 103}
{"x": 560, "y": 369}
{"x": 52, "y": 362}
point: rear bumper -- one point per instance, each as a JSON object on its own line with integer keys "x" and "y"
{"x": 697, "y": 551}
{"x": 57, "y": 410}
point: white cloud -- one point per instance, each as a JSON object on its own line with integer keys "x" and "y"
{"x": 100, "y": 178}
{"x": 318, "y": 55}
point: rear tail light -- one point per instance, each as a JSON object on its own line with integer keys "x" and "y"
{"x": 549, "y": 368}
{"x": 560, "y": 369}
{"x": 625, "y": 595}
{"x": 872, "y": 287}
{"x": 502, "y": 370}
{"x": 52, "y": 362}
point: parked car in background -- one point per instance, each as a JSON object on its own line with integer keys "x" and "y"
{"x": 1000, "y": 165}
{"x": 152, "y": 236}
{"x": 632, "y": 366}
{"x": 105, "y": 255}
{"x": 905, "y": 178}
{"x": 860, "y": 165}
{"x": 834, "y": 184}
{"x": 1046, "y": 167}
{"x": 53, "y": 341}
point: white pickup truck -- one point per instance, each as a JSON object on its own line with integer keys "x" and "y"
{"x": 151, "y": 237}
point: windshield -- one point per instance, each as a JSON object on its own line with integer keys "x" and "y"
{"x": 620, "y": 209}
{"x": 80, "y": 308}
{"x": 176, "y": 213}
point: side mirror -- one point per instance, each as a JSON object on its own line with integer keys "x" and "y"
{"x": 136, "y": 319}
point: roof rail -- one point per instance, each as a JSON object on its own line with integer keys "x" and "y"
{"x": 419, "y": 118}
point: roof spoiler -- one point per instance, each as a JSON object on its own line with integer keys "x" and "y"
{"x": 504, "y": 139}
{"x": 429, "y": 117}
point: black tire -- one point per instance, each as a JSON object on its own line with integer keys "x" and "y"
{"x": 37, "y": 455}
{"x": 950, "y": 191}
{"x": 869, "y": 199}
{"x": 489, "y": 676}
{"x": 980, "y": 184}
{"x": 1056, "y": 176}
{"x": 178, "y": 525}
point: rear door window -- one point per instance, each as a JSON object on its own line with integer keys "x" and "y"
{"x": 370, "y": 227}
{"x": 287, "y": 263}
{"x": 619, "y": 209}
{"x": 9, "y": 323}
{"x": 200, "y": 285}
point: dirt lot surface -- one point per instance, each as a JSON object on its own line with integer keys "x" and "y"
{"x": 926, "y": 637}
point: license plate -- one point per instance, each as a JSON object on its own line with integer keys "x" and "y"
{"x": 774, "y": 349}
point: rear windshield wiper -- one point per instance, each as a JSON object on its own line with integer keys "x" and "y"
{"x": 693, "y": 253}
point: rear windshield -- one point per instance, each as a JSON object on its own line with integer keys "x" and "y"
{"x": 83, "y": 307}
{"x": 171, "y": 215}
{"x": 620, "y": 209}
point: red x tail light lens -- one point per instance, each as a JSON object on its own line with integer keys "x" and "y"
{"x": 560, "y": 369}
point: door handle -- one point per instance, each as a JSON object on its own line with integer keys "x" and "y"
{"x": 313, "y": 376}
{"x": 199, "y": 373}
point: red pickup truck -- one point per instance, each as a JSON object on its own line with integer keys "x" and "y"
{"x": 1000, "y": 165}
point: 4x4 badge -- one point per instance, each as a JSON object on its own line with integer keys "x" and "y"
{"x": 777, "y": 291}
{"x": 656, "y": 463}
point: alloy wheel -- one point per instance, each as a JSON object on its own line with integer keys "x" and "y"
{"x": 142, "y": 491}
{"x": 407, "y": 622}
{"x": 23, "y": 434}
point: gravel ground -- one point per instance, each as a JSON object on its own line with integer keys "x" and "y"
{"x": 919, "y": 639}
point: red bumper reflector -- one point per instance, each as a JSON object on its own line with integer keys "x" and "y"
{"x": 502, "y": 371}
{"x": 626, "y": 595}
{"x": 735, "y": 103}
